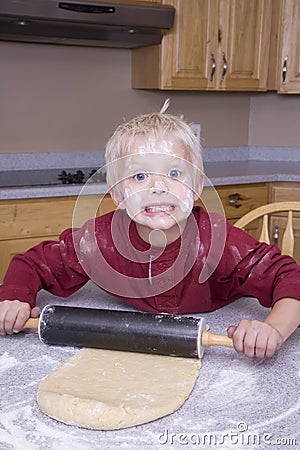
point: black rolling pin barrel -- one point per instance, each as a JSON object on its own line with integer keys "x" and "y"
{"x": 161, "y": 334}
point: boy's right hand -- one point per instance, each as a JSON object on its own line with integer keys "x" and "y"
{"x": 14, "y": 314}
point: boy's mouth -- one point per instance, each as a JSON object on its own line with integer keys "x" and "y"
{"x": 154, "y": 209}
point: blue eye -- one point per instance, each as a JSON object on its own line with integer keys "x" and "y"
{"x": 174, "y": 173}
{"x": 140, "y": 176}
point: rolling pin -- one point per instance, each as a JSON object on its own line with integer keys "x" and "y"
{"x": 163, "y": 334}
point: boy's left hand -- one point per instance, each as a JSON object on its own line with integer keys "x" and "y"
{"x": 255, "y": 338}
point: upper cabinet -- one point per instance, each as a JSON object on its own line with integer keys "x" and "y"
{"x": 288, "y": 47}
{"x": 214, "y": 45}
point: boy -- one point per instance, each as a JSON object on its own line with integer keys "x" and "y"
{"x": 156, "y": 251}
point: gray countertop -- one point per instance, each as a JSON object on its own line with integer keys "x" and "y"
{"x": 223, "y": 166}
{"x": 237, "y": 402}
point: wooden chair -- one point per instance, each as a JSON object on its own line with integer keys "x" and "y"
{"x": 287, "y": 247}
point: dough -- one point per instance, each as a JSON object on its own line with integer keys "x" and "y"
{"x": 106, "y": 389}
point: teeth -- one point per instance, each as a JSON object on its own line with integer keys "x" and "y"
{"x": 160, "y": 208}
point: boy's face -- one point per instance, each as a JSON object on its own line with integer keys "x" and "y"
{"x": 156, "y": 184}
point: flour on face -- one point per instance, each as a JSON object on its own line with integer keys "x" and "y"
{"x": 156, "y": 184}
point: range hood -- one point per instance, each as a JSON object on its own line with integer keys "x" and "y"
{"x": 121, "y": 24}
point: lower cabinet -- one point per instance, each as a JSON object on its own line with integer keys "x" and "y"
{"x": 26, "y": 222}
{"x": 282, "y": 192}
{"x": 236, "y": 201}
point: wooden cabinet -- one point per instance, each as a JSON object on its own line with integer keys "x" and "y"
{"x": 239, "y": 199}
{"x": 281, "y": 192}
{"x": 236, "y": 201}
{"x": 247, "y": 30}
{"x": 214, "y": 45}
{"x": 25, "y": 223}
{"x": 288, "y": 47}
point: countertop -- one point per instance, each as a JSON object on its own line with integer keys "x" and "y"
{"x": 223, "y": 166}
{"x": 236, "y": 403}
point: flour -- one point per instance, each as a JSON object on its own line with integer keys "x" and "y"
{"x": 231, "y": 389}
{"x": 234, "y": 386}
{"x": 86, "y": 243}
{"x": 7, "y": 362}
{"x": 36, "y": 435}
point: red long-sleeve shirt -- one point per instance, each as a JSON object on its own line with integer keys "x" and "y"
{"x": 211, "y": 265}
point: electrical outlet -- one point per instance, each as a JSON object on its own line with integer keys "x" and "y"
{"x": 196, "y": 127}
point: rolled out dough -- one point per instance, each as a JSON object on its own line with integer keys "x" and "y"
{"x": 106, "y": 389}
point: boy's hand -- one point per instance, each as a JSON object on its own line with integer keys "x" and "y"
{"x": 14, "y": 314}
{"x": 255, "y": 338}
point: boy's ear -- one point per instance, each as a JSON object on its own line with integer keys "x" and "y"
{"x": 117, "y": 197}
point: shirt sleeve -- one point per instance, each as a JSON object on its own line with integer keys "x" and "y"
{"x": 259, "y": 270}
{"x": 51, "y": 265}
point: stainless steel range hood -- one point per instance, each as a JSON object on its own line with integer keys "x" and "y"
{"x": 121, "y": 24}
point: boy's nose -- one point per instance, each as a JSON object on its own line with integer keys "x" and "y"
{"x": 158, "y": 185}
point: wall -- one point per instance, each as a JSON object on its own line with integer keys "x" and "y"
{"x": 60, "y": 98}
{"x": 274, "y": 120}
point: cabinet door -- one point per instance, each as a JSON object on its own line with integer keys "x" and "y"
{"x": 288, "y": 65}
{"x": 27, "y": 222}
{"x": 244, "y": 44}
{"x": 186, "y": 57}
{"x": 214, "y": 45}
{"x": 278, "y": 224}
{"x": 283, "y": 192}
{"x": 187, "y": 53}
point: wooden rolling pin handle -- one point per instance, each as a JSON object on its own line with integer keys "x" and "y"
{"x": 209, "y": 339}
{"x": 32, "y": 323}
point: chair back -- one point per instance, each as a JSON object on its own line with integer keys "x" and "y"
{"x": 264, "y": 212}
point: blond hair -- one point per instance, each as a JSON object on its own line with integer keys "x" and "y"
{"x": 153, "y": 125}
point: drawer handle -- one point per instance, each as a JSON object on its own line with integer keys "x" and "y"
{"x": 276, "y": 235}
{"x": 284, "y": 69}
{"x": 224, "y": 67}
{"x": 213, "y": 67}
{"x": 234, "y": 200}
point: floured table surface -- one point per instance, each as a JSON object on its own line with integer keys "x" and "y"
{"x": 240, "y": 402}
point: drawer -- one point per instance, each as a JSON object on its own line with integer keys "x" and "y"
{"x": 35, "y": 217}
{"x": 279, "y": 222}
{"x": 44, "y": 216}
{"x": 237, "y": 200}
{"x": 284, "y": 192}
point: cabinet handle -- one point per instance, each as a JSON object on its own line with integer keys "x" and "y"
{"x": 276, "y": 235}
{"x": 234, "y": 200}
{"x": 284, "y": 69}
{"x": 213, "y": 66}
{"x": 224, "y": 67}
